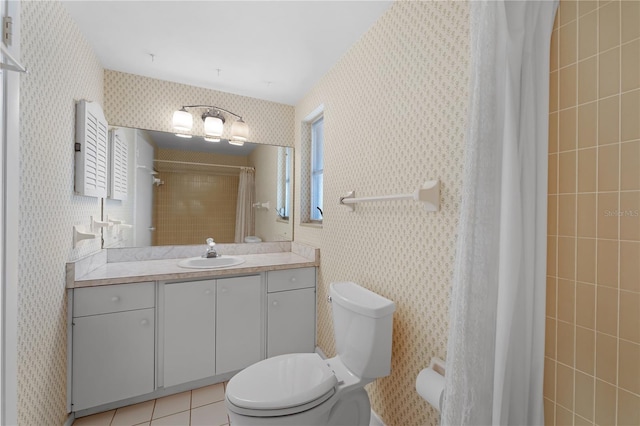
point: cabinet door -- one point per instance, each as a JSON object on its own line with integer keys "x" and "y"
{"x": 291, "y": 322}
{"x": 113, "y": 357}
{"x": 239, "y": 313}
{"x": 189, "y": 331}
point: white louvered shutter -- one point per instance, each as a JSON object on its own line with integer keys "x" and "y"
{"x": 118, "y": 165}
{"x": 91, "y": 150}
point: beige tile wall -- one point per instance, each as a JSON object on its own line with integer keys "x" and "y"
{"x": 194, "y": 206}
{"x": 195, "y": 202}
{"x": 592, "y": 365}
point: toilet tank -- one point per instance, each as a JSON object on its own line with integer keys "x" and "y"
{"x": 363, "y": 328}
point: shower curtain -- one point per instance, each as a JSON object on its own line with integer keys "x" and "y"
{"x": 245, "y": 223}
{"x": 495, "y": 353}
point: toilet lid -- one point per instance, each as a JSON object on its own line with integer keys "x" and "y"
{"x": 281, "y": 382}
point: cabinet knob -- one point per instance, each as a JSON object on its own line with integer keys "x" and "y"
{"x": 207, "y": 291}
{"x": 223, "y": 290}
{"x": 144, "y": 322}
{"x": 293, "y": 279}
{"x": 115, "y": 298}
{"x": 275, "y": 303}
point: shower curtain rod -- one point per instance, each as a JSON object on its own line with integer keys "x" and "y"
{"x": 187, "y": 163}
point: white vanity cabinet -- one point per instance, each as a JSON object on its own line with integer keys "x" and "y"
{"x": 291, "y": 311}
{"x": 113, "y": 343}
{"x": 189, "y": 331}
{"x": 211, "y": 327}
{"x": 138, "y": 341}
{"x": 239, "y": 327}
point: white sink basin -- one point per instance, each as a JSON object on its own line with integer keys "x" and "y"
{"x": 210, "y": 263}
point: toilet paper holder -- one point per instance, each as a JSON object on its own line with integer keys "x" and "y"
{"x": 430, "y": 383}
{"x": 438, "y": 365}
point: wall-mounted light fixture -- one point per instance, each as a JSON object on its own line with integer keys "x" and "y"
{"x": 213, "y": 124}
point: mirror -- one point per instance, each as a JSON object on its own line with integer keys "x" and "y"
{"x": 182, "y": 191}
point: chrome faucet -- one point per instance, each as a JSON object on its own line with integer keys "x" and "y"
{"x": 211, "y": 252}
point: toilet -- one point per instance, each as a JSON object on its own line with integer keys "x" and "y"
{"x": 304, "y": 389}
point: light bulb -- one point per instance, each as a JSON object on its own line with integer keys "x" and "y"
{"x": 239, "y": 131}
{"x": 182, "y": 121}
{"x": 213, "y": 127}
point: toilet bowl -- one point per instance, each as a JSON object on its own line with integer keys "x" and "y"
{"x": 304, "y": 389}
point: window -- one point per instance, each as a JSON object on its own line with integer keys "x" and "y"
{"x": 312, "y": 167}
{"x": 284, "y": 182}
{"x": 317, "y": 168}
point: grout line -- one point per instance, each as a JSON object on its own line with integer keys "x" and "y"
{"x": 596, "y": 100}
{"x": 556, "y": 102}
{"x": 575, "y": 208}
{"x": 595, "y": 294}
{"x": 155, "y": 401}
{"x": 190, "y": 403}
{"x": 617, "y": 385}
{"x": 582, "y": 418}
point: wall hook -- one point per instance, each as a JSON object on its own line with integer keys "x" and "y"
{"x": 96, "y": 224}
{"x": 79, "y": 235}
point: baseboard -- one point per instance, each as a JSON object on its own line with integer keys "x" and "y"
{"x": 70, "y": 419}
{"x": 375, "y": 420}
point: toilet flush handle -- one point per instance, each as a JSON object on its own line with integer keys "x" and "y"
{"x": 329, "y": 299}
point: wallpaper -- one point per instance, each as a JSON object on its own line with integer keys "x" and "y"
{"x": 62, "y": 70}
{"x": 395, "y": 113}
{"x": 145, "y": 103}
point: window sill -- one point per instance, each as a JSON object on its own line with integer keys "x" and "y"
{"x": 317, "y": 225}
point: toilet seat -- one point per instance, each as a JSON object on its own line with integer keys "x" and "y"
{"x": 282, "y": 385}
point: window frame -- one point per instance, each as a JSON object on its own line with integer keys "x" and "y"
{"x": 316, "y": 169}
{"x": 284, "y": 183}
{"x": 304, "y": 197}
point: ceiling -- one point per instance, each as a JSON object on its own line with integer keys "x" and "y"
{"x": 271, "y": 50}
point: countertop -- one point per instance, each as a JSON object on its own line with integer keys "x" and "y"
{"x": 168, "y": 269}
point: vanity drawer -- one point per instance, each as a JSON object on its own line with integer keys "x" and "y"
{"x": 291, "y": 279}
{"x": 113, "y": 298}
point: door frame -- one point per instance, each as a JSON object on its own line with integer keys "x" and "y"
{"x": 9, "y": 213}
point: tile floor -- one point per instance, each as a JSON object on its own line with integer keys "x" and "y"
{"x": 199, "y": 407}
